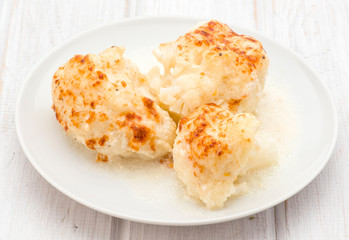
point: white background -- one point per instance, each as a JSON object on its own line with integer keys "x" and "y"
{"x": 31, "y": 208}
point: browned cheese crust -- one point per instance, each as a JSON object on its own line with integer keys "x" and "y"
{"x": 211, "y": 64}
{"x": 98, "y": 100}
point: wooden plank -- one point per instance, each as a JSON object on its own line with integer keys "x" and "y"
{"x": 259, "y": 226}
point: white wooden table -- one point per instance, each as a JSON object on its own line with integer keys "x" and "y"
{"x": 30, "y": 208}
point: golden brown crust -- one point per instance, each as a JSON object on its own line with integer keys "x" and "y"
{"x": 211, "y": 150}
{"x": 211, "y": 64}
{"x": 103, "y": 140}
{"x": 139, "y": 134}
{"x": 221, "y": 41}
{"x": 149, "y": 104}
{"x": 96, "y": 99}
{"x": 90, "y": 143}
{"x": 102, "y": 158}
{"x": 197, "y": 134}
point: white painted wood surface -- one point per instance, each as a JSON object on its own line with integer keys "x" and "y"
{"x": 30, "y": 208}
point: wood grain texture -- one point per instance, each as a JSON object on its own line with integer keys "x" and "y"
{"x": 30, "y": 208}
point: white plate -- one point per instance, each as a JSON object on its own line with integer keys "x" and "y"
{"x": 62, "y": 165}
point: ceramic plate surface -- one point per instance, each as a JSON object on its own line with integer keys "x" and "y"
{"x": 156, "y": 200}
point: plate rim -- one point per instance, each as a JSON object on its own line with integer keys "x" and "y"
{"x": 213, "y": 220}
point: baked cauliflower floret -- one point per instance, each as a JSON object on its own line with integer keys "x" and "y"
{"x": 212, "y": 149}
{"x": 210, "y": 64}
{"x": 103, "y": 102}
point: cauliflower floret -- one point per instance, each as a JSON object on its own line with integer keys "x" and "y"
{"x": 103, "y": 102}
{"x": 210, "y": 64}
{"x": 212, "y": 149}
